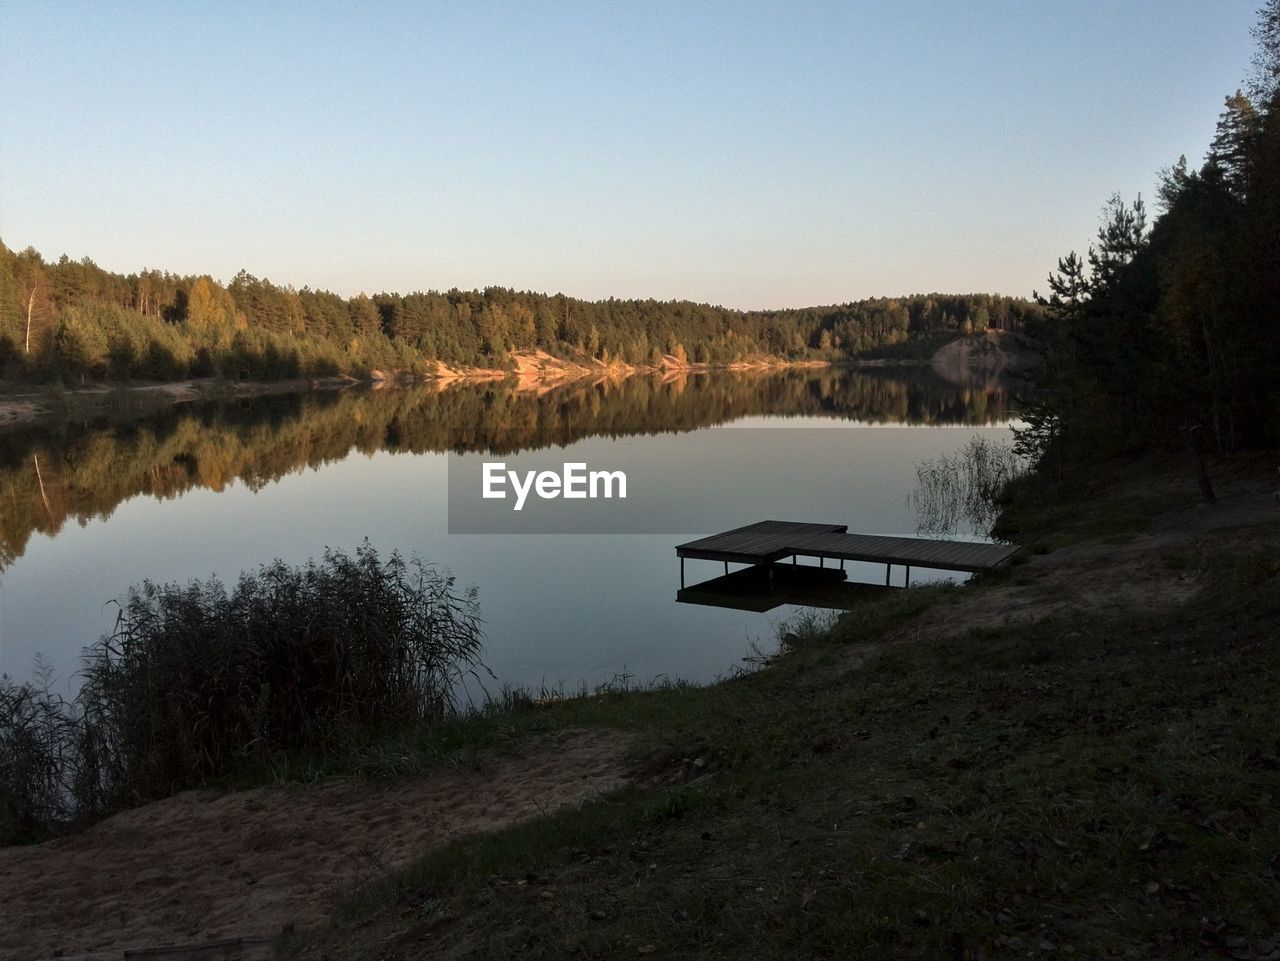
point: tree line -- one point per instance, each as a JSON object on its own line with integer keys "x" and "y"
{"x": 72, "y": 320}
{"x": 1169, "y": 327}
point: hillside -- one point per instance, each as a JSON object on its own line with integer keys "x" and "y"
{"x": 73, "y": 322}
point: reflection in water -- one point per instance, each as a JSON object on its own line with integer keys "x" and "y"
{"x": 964, "y": 487}
{"x": 804, "y": 585}
{"x": 215, "y": 489}
{"x": 49, "y": 474}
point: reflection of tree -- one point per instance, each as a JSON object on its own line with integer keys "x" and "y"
{"x": 54, "y": 472}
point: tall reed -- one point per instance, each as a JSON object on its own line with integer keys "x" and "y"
{"x": 196, "y": 682}
{"x": 964, "y": 487}
{"x": 39, "y": 761}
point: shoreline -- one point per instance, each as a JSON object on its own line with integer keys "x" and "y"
{"x": 27, "y": 405}
{"x": 664, "y": 787}
{"x": 529, "y": 371}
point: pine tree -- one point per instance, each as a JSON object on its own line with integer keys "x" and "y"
{"x": 1238, "y": 129}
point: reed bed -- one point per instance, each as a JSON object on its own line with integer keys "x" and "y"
{"x": 197, "y": 682}
{"x": 966, "y": 487}
{"x": 39, "y": 760}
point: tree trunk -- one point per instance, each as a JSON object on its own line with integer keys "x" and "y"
{"x": 40, "y": 478}
{"x": 31, "y": 302}
{"x": 1189, "y": 435}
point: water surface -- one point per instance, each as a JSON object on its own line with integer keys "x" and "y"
{"x": 87, "y": 509}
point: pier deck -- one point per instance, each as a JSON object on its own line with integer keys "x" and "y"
{"x": 767, "y": 542}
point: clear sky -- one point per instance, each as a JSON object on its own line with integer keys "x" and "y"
{"x": 750, "y": 154}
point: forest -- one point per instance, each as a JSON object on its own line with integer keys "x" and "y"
{"x": 1169, "y": 329}
{"x": 71, "y": 321}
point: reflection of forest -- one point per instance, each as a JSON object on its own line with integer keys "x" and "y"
{"x": 51, "y": 473}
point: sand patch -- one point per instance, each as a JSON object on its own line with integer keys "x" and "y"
{"x": 17, "y": 411}
{"x": 177, "y": 390}
{"x": 246, "y": 864}
{"x": 984, "y": 356}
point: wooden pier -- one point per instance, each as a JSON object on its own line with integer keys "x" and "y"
{"x": 768, "y": 542}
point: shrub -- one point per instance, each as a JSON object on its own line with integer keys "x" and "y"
{"x": 196, "y": 682}
{"x": 38, "y": 769}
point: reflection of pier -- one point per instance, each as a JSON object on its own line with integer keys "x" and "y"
{"x": 763, "y": 545}
{"x": 753, "y": 589}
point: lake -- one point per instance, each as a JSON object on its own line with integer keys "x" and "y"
{"x": 91, "y": 506}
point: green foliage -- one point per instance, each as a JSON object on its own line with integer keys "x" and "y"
{"x": 1164, "y": 328}
{"x": 1036, "y": 440}
{"x": 1235, "y": 143}
{"x": 1265, "y": 82}
{"x": 166, "y": 326}
{"x": 82, "y": 343}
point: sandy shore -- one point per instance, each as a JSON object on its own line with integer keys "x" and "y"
{"x": 205, "y": 866}
{"x": 533, "y": 371}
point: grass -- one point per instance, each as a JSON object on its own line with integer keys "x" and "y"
{"x": 1102, "y": 785}
{"x": 1109, "y": 500}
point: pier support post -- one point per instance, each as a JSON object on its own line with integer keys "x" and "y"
{"x": 888, "y": 569}
{"x": 682, "y": 573}
{"x": 906, "y": 581}
{"x": 822, "y": 561}
{"x": 726, "y": 567}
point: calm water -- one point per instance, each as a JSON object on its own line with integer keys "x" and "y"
{"x": 88, "y": 509}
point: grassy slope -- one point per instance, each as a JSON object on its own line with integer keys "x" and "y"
{"x": 1103, "y": 785}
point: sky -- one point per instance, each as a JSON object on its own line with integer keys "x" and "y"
{"x": 751, "y": 154}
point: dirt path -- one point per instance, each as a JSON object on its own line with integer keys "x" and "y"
{"x": 246, "y": 864}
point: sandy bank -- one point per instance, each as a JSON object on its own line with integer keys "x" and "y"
{"x": 532, "y": 371}
{"x": 985, "y": 355}
{"x": 248, "y": 864}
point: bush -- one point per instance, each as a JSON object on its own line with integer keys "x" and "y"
{"x": 38, "y": 769}
{"x": 196, "y": 682}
